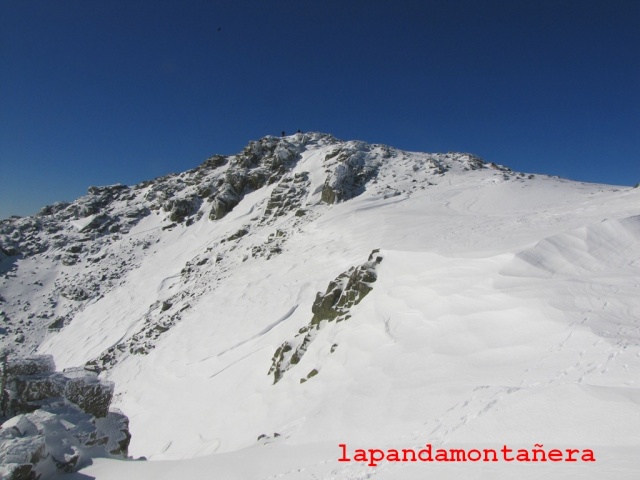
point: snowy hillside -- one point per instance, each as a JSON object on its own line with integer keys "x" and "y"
{"x": 262, "y": 309}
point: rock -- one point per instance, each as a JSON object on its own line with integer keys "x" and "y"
{"x": 215, "y": 161}
{"x": 288, "y": 195}
{"x": 77, "y": 248}
{"x": 16, "y": 471}
{"x": 223, "y": 204}
{"x": 90, "y": 395}
{"x": 19, "y": 426}
{"x": 23, "y": 449}
{"x": 68, "y": 422}
{"x": 75, "y": 293}
{"x": 34, "y": 365}
{"x": 116, "y": 426}
{"x": 51, "y": 209}
{"x": 346, "y": 291}
{"x": 240, "y": 233}
{"x": 57, "y": 324}
{"x": 9, "y": 251}
{"x": 354, "y": 165}
{"x": 182, "y": 208}
{"x": 69, "y": 461}
{"x": 35, "y": 388}
{"x": 97, "y": 224}
{"x": 328, "y": 195}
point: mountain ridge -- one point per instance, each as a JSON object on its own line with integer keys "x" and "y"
{"x": 238, "y": 300}
{"x": 220, "y": 181}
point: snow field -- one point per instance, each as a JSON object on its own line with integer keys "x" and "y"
{"x": 505, "y": 311}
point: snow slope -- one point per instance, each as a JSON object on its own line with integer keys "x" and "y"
{"x": 504, "y": 311}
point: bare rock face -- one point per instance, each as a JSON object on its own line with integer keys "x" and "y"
{"x": 55, "y": 422}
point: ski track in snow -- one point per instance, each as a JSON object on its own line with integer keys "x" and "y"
{"x": 261, "y": 333}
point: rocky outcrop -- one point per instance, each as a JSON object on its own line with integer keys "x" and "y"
{"x": 55, "y": 422}
{"x": 180, "y": 209}
{"x": 287, "y": 195}
{"x": 261, "y": 163}
{"x": 350, "y": 167}
{"x": 343, "y": 293}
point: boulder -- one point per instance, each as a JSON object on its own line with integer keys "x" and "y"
{"x": 35, "y": 388}
{"x": 90, "y": 395}
{"x": 58, "y": 421}
{"x": 16, "y": 471}
{"x": 34, "y": 365}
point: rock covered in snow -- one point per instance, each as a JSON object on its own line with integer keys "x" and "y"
{"x": 55, "y": 422}
{"x": 343, "y": 293}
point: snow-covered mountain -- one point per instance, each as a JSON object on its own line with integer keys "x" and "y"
{"x": 263, "y": 308}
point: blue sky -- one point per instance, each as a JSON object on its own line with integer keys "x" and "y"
{"x": 118, "y": 91}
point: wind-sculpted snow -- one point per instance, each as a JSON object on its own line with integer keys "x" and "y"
{"x": 598, "y": 248}
{"x": 594, "y": 271}
{"x": 505, "y": 310}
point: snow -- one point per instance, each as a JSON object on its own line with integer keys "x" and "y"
{"x": 302, "y": 462}
{"x": 82, "y": 223}
{"x": 506, "y": 311}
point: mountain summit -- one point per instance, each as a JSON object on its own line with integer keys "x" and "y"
{"x": 313, "y": 291}
{"x": 95, "y": 241}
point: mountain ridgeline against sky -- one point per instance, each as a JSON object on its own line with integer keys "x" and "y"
{"x": 93, "y": 242}
{"x": 307, "y": 290}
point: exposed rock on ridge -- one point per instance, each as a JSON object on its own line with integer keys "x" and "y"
{"x": 343, "y": 293}
{"x": 91, "y": 245}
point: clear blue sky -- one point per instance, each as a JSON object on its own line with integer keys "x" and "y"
{"x": 118, "y": 91}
